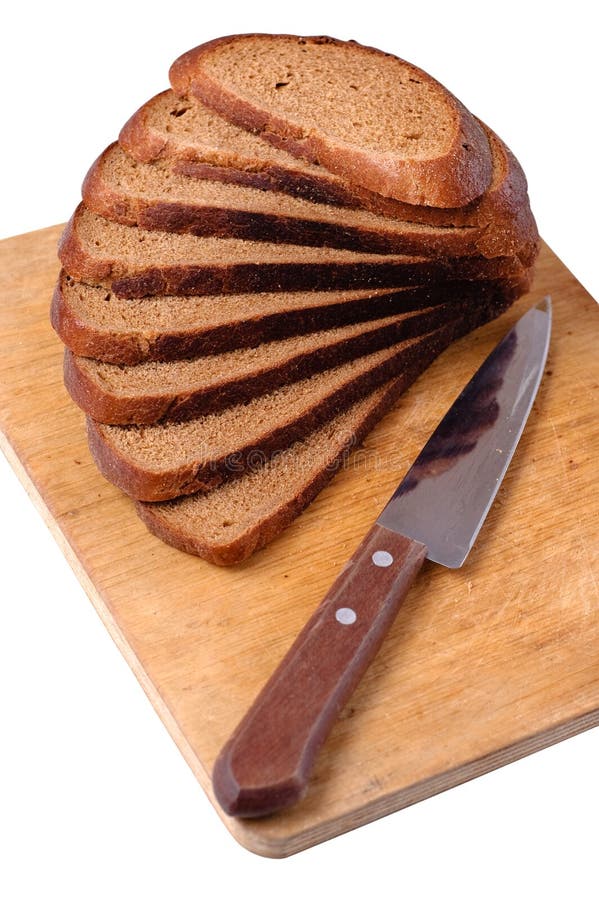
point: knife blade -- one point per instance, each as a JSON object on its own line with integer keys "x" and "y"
{"x": 435, "y": 513}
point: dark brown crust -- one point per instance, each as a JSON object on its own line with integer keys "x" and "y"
{"x": 95, "y": 397}
{"x": 261, "y": 532}
{"x": 455, "y": 180}
{"x": 139, "y": 140}
{"x": 199, "y": 280}
{"x": 274, "y": 178}
{"x": 75, "y": 259}
{"x": 86, "y": 339}
{"x": 133, "y": 346}
{"x": 107, "y": 199}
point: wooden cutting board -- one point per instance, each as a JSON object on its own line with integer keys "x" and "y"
{"x": 483, "y": 665}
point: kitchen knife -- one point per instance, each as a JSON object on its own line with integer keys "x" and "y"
{"x": 435, "y": 513}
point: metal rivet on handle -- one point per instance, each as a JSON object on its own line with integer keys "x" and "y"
{"x": 382, "y": 558}
{"x": 345, "y": 615}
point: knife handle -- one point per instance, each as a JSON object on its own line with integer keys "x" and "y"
{"x": 266, "y": 764}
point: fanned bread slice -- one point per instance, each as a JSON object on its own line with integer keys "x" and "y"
{"x": 92, "y": 321}
{"x": 154, "y": 197}
{"x": 137, "y": 263}
{"x": 196, "y": 141}
{"x": 153, "y": 392}
{"x": 228, "y": 523}
{"x": 155, "y": 462}
{"x": 503, "y": 212}
{"x": 366, "y": 115}
{"x": 185, "y": 129}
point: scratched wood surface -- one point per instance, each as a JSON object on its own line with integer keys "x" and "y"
{"x": 482, "y": 665}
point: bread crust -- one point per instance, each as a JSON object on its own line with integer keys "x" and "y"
{"x": 459, "y": 177}
{"x": 196, "y": 280}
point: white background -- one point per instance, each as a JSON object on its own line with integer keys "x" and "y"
{"x": 95, "y": 800}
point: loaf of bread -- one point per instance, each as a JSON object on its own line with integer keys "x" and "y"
{"x": 272, "y": 252}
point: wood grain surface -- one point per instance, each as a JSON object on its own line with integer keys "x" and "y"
{"x": 482, "y": 664}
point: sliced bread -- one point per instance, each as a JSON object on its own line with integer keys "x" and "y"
{"x": 503, "y": 212}
{"x": 135, "y": 263}
{"x": 366, "y": 115}
{"x": 94, "y": 322}
{"x": 185, "y": 129}
{"x": 154, "y": 197}
{"x": 154, "y": 462}
{"x": 227, "y": 524}
{"x": 152, "y": 392}
{"x": 198, "y": 142}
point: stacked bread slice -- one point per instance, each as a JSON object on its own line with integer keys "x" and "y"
{"x": 271, "y": 253}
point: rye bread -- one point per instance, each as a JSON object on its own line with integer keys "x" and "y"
{"x": 134, "y": 262}
{"x": 152, "y": 196}
{"x": 378, "y": 121}
{"x": 92, "y": 321}
{"x": 185, "y": 130}
{"x": 154, "y": 462}
{"x": 503, "y": 212}
{"x": 152, "y": 392}
{"x": 198, "y": 142}
{"x": 227, "y": 523}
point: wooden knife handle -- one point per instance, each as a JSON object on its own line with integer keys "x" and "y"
{"x": 265, "y": 765}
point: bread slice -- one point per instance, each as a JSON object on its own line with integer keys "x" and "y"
{"x": 154, "y": 197}
{"x": 154, "y": 462}
{"x": 173, "y": 391}
{"x": 366, "y": 115}
{"x": 93, "y": 322}
{"x": 137, "y": 263}
{"x": 227, "y": 525}
{"x": 198, "y": 142}
{"x": 186, "y": 130}
{"x": 230, "y": 522}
